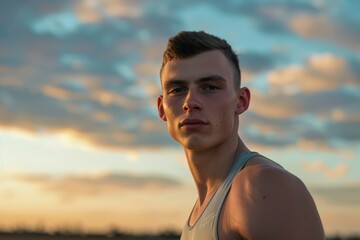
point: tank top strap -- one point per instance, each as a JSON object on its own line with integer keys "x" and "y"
{"x": 206, "y": 226}
{"x": 239, "y": 164}
{"x": 224, "y": 188}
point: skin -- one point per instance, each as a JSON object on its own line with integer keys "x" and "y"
{"x": 201, "y": 107}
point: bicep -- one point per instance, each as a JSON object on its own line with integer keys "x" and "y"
{"x": 288, "y": 211}
{"x": 277, "y": 205}
{"x": 292, "y": 213}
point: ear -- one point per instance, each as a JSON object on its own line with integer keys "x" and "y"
{"x": 160, "y": 106}
{"x": 243, "y": 100}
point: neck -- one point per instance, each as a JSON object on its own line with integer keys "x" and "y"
{"x": 209, "y": 168}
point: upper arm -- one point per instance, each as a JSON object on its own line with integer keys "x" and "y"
{"x": 275, "y": 204}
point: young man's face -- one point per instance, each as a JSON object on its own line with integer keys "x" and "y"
{"x": 199, "y": 102}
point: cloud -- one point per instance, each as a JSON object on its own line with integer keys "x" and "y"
{"x": 335, "y": 105}
{"x": 303, "y": 102}
{"x": 268, "y": 17}
{"x": 97, "y": 83}
{"x": 319, "y": 166}
{"x": 93, "y": 11}
{"x": 90, "y": 11}
{"x": 115, "y": 113}
{"x": 320, "y": 20}
{"x": 253, "y": 63}
{"x": 14, "y": 76}
{"x": 56, "y": 92}
{"x": 332, "y": 22}
{"x": 325, "y": 27}
{"x": 71, "y": 186}
{"x": 98, "y": 118}
{"x": 341, "y": 195}
{"x": 321, "y": 72}
{"x": 284, "y": 120}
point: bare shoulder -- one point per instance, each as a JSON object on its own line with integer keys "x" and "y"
{"x": 265, "y": 175}
{"x": 269, "y": 202}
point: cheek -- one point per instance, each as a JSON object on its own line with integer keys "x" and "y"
{"x": 222, "y": 119}
{"x": 172, "y": 107}
{"x": 168, "y": 114}
{"x": 225, "y": 118}
{"x": 171, "y": 115}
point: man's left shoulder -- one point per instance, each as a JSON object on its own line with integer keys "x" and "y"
{"x": 263, "y": 173}
{"x": 268, "y": 191}
{"x": 263, "y": 182}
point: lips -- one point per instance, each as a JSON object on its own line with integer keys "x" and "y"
{"x": 192, "y": 123}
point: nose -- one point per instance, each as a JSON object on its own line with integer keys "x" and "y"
{"x": 191, "y": 102}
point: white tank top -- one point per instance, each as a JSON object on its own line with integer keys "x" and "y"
{"x": 205, "y": 227}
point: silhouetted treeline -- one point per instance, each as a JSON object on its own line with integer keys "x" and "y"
{"x": 25, "y": 234}
{"x": 355, "y": 237}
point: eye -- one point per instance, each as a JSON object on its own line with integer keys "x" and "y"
{"x": 177, "y": 90}
{"x": 210, "y": 87}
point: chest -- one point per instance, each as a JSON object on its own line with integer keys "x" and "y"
{"x": 220, "y": 218}
{"x": 228, "y": 228}
{"x": 212, "y": 223}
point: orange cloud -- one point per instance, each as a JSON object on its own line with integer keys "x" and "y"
{"x": 313, "y": 25}
{"x": 107, "y": 97}
{"x": 339, "y": 115}
{"x": 92, "y": 11}
{"x": 323, "y": 27}
{"x": 56, "y": 92}
{"x": 14, "y": 76}
{"x": 101, "y": 116}
{"x": 279, "y": 107}
{"x": 71, "y": 186}
{"x": 321, "y": 72}
{"x": 147, "y": 68}
{"x": 87, "y": 12}
{"x": 318, "y": 166}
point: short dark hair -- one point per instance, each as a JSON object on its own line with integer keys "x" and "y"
{"x": 187, "y": 44}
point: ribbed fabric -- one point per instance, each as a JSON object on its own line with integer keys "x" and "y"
{"x": 205, "y": 227}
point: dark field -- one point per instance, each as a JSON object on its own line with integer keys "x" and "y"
{"x": 28, "y": 235}
{"x": 33, "y": 237}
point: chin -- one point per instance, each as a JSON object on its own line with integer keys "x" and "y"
{"x": 195, "y": 144}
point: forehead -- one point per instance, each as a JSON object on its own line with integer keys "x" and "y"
{"x": 199, "y": 66}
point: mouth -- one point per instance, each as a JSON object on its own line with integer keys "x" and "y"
{"x": 192, "y": 123}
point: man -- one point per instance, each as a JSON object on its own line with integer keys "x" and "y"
{"x": 241, "y": 194}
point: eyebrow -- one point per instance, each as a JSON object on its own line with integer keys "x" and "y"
{"x": 210, "y": 78}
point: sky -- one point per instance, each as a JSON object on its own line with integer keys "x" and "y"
{"x": 81, "y": 143}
